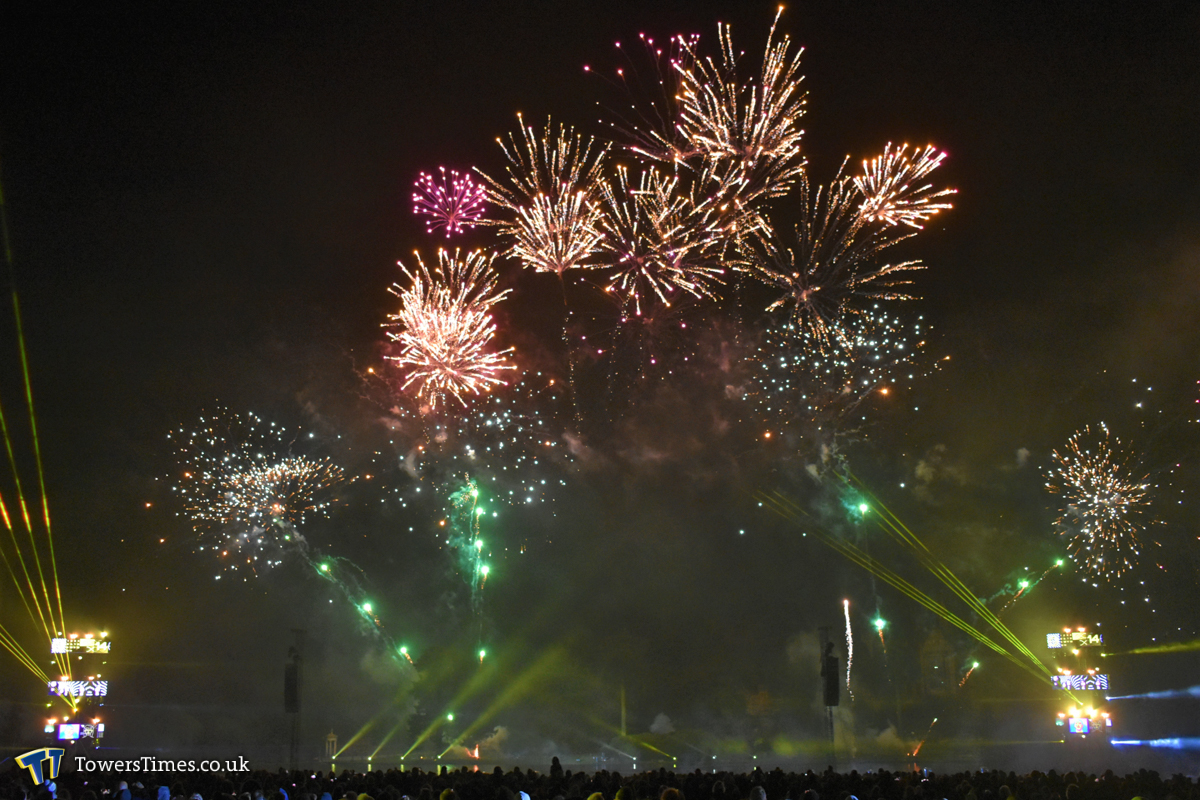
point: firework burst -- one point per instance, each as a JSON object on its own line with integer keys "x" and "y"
{"x": 553, "y": 181}
{"x": 830, "y": 273}
{"x": 655, "y": 242}
{"x": 746, "y": 129}
{"x": 1102, "y": 503}
{"x": 730, "y": 138}
{"x": 889, "y": 191}
{"x": 245, "y": 493}
{"x": 647, "y": 121}
{"x": 447, "y": 328}
{"x": 453, "y": 203}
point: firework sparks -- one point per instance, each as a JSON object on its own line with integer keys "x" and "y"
{"x": 849, "y": 647}
{"x": 464, "y": 538}
{"x": 746, "y": 130}
{"x": 648, "y": 120}
{"x": 654, "y": 240}
{"x": 917, "y": 749}
{"x": 453, "y": 203}
{"x": 512, "y": 442}
{"x": 967, "y": 677}
{"x": 830, "y": 274}
{"x": 795, "y": 380}
{"x": 889, "y": 190}
{"x": 240, "y": 487}
{"x": 1102, "y": 503}
{"x": 446, "y": 328}
{"x": 551, "y": 193}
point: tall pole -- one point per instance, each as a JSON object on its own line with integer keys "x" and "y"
{"x": 292, "y": 685}
{"x": 622, "y": 709}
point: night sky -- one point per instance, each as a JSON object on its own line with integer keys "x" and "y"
{"x": 206, "y": 210}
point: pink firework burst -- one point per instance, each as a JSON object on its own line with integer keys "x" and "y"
{"x": 454, "y": 203}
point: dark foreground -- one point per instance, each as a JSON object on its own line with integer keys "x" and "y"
{"x": 464, "y": 784}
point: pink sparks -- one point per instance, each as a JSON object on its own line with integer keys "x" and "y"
{"x": 453, "y": 204}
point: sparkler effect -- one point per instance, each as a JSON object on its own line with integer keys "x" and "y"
{"x": 1102, "y": 504}
{"x": 447, "y": 328}
{"x": 453, "y": 204}
{"x": 552, "y": 193}
{"x": 241, "y": 487}
{"x": 889, "y": 193}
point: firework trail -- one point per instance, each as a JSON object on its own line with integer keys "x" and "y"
{"x": 551, "y": 194}
{"x": 1101, "y": 504}
{"x": 245, "y": 493}
{"x": 1024, "y": 587}
{"x": 446, "y": 328}
{"x": 453, "y": 204}
{"x": 463, "y": 537}
{"x": 348, "y": 579}
{"x": 917, "y": 749}
{"x": 967, "y": 677}
{"x": 849, "y": 647}
{"x": 888, "y": 190}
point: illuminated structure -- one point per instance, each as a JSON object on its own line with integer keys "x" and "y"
{"x": 75, "y": 643}
{"x": 1084, "y": 717}
{"x": 1073, "y": 638}
{"x": 85, "y": 694}
{"x": 1090, "y": 681}
{"x": 1083, "y": 721}
{"x": 88, "y": 688}
{"x": 73, "y": 730}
